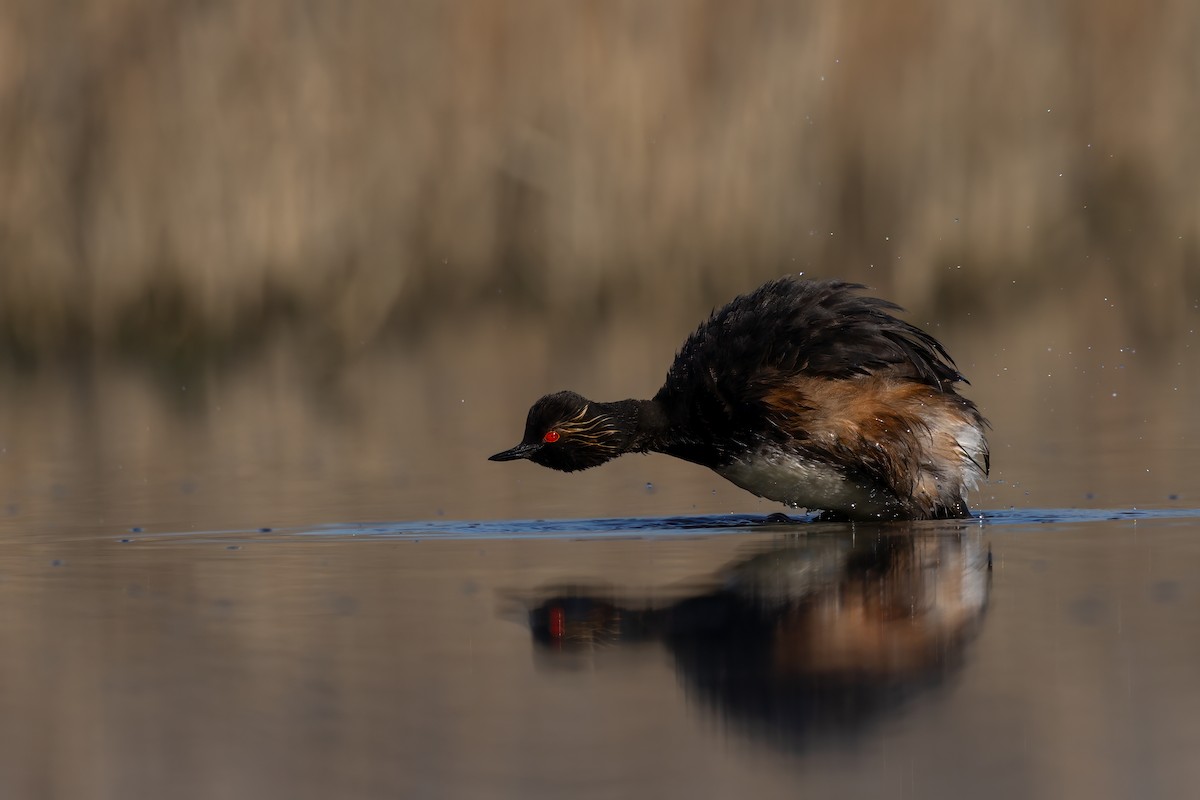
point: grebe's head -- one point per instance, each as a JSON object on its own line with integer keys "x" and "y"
{"x": 567, "y": 432}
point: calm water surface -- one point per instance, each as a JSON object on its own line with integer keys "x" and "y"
{"x": 264, "y": 582}
{"x": 652, "y": 658}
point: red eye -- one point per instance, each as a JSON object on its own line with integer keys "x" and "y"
{"x": 551, "y": 437}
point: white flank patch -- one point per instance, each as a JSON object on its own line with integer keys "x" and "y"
{"x": 801, "y": 483}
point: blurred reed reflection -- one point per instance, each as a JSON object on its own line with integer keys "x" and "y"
{"x": 801, "y": 643}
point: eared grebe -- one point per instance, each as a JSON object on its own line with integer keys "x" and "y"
{"x": 802, "y": 392}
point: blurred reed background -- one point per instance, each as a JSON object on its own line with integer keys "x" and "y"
{"x": 191, "y": 177}
{"x": 286, "y": 262}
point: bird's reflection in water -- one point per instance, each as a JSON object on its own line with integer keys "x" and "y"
{"x": 814, "y": 639}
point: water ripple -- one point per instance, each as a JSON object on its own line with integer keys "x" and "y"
{"x": 645, "y": 527}
{"x": 717, "y": 524}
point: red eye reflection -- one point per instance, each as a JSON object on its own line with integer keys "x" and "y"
{"x": 551, "y": 437}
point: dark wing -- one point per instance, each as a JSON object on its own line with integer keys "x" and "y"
{"x": 826, "y": 328}
{"x": 792, "y": 327}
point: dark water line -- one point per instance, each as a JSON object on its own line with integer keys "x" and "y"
{"x": 652, "y": 527}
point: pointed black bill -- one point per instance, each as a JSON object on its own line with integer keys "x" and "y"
{"x": 520, "y": 451}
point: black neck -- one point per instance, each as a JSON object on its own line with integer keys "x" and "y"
{"x": 643, "y": 423}
{"x": 651, "y": 428}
